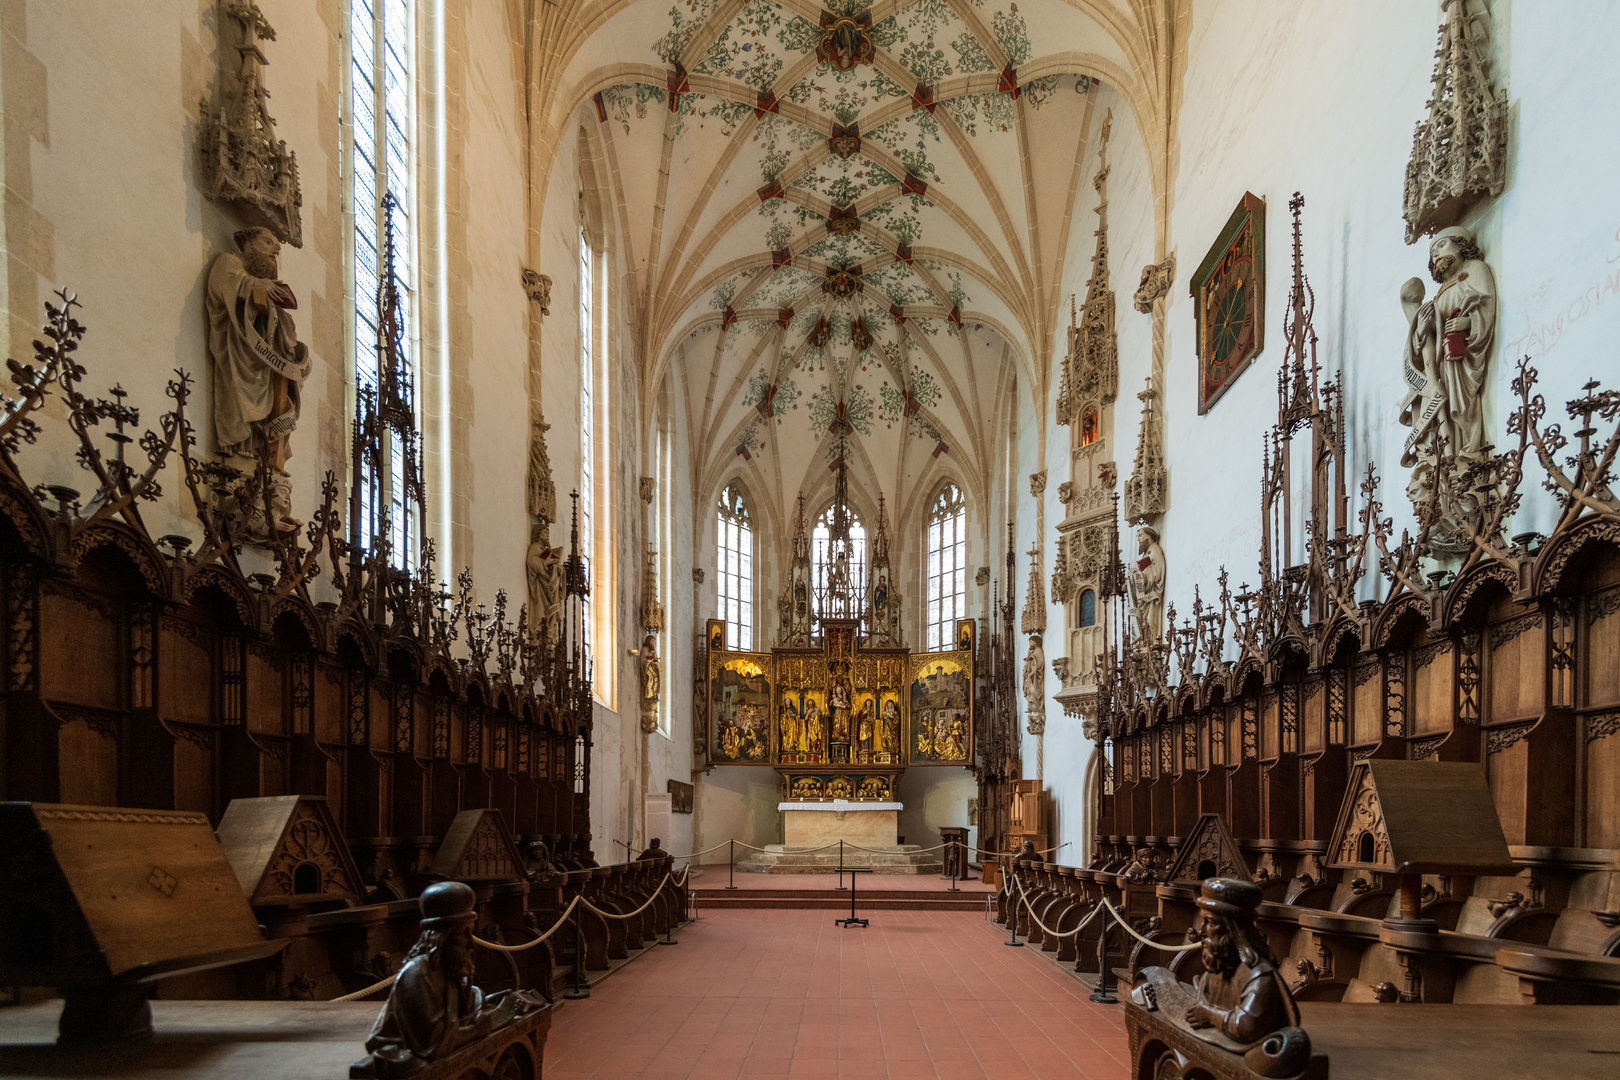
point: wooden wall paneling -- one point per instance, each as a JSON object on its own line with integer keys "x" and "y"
{"x": 1270, "y": 739}
{"x": 1366, "y": 702}
{"x": 1243, "y": 778}
{"x": 503, "y": 790}
{"x": 1430, "y": 693}
{"x": 1600, "y": 776}
{"x": 1280, "y": 782}
{"x": 411, "y": 742}
{"x": 1185, "y": 734}
{"x": 475, "y": 790}
{"x": 1323, "y": 780}
{"x": 1600, "y": 682}
{"x": 81, "y": 648}
{"x": 444, "y": 784}
{"x": 194, "y": 755}
{"x": 1313, "y": 715}
{"x": 1515, "y": 644}
{"x": 89, "y": 744}
{"x": 30, "y": 768}
{"x": 527, "y": 813}
{"x": 1163, "y": 794}
{"x": 186, "y": 674}
{"x": 362, "y": 773}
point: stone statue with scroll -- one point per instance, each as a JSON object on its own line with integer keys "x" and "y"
{"x": 1239, "y": 1005}
{"x": 433, "y": 1008}
{"x": 259, "y": 368}
{"x": 1147, "y": 584}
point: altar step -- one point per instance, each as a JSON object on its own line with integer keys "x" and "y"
{"x": 884, "y": 859}
{"x": 875, "y": 899}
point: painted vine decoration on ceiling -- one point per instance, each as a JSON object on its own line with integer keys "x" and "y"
{"x": 840, "y": 183}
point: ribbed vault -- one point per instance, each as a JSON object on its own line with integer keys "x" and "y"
{"x": 865, "y": 205}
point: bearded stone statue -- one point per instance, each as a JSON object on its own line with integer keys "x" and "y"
{"x": 433, "y": 1008}
{"x": 260, "y": 368}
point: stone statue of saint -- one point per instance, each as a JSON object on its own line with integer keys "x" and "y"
{"x": 1147, "y": 584}
{"x": 651, "y": 680}
{"x": 259, "y": 368}
{"x": 1448, "y": 348}
{"x": 543, "y": 565}
{"x": 1240, "y": 1001}
{"x": 433, "y": 1007}
{"x": 1035, "y": 685}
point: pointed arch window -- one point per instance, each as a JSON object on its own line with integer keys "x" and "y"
{"x": 381, "y": 159}
{"x": 736, "y": 561}
{"x": 947, "y": 566}
{"x": 820, "y": 568}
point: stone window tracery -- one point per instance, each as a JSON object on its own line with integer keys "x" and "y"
{"x": 947, "y": 566}
{"x": 381, "y": 110}
{"x": 735, "y": 577}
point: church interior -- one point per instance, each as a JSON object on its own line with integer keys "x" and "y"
{"x": 1033, "y": 539}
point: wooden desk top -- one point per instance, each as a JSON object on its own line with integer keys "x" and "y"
{"x": 198, "y": 1040}
{"x": 1502, "y": 1042}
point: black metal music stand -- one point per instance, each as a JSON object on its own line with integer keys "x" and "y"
{"x": 851, "y": 871}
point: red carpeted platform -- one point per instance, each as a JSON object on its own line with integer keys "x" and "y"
{"x": 876, "y": 892}
{"x": 787, "y": 995}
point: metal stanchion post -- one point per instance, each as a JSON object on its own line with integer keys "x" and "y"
{"x": 951, "y": 851}
{"x": 669, "y": 928}
{"x": 731, "y": 874}
{"x": 1012, "y": 923}
{"x": 1104, "y": 994}
{"x": 577, "y": 991}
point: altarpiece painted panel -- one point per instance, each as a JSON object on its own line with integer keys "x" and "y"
{"x": 941, "y": 708}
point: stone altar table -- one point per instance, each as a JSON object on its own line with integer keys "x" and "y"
{"x": 811, "y": 824}
{"x": 809, "y": 827}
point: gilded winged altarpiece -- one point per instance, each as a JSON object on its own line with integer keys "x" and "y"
{"x": 838, "y": 709}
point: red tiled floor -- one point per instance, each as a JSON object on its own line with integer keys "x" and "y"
{"x": 786, "y": 995}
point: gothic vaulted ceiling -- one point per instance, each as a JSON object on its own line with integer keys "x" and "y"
{"x": 858, "y": 214}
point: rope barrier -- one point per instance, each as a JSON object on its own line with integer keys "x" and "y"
{"x": 373, "y": 988}
{"x": 1048, "y": 931}
{"x": 527, "y": 945}
{"x": 631, "y": 914}
{"x": 1148, "y": 941}
{"x": 539, "y": 937}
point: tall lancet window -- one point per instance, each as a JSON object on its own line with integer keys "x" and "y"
{"x": 381, "y": 159}
{"x": 736, "y": 577}
{"x": 947, "y": 566}
{"x": 821, "y": 568}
